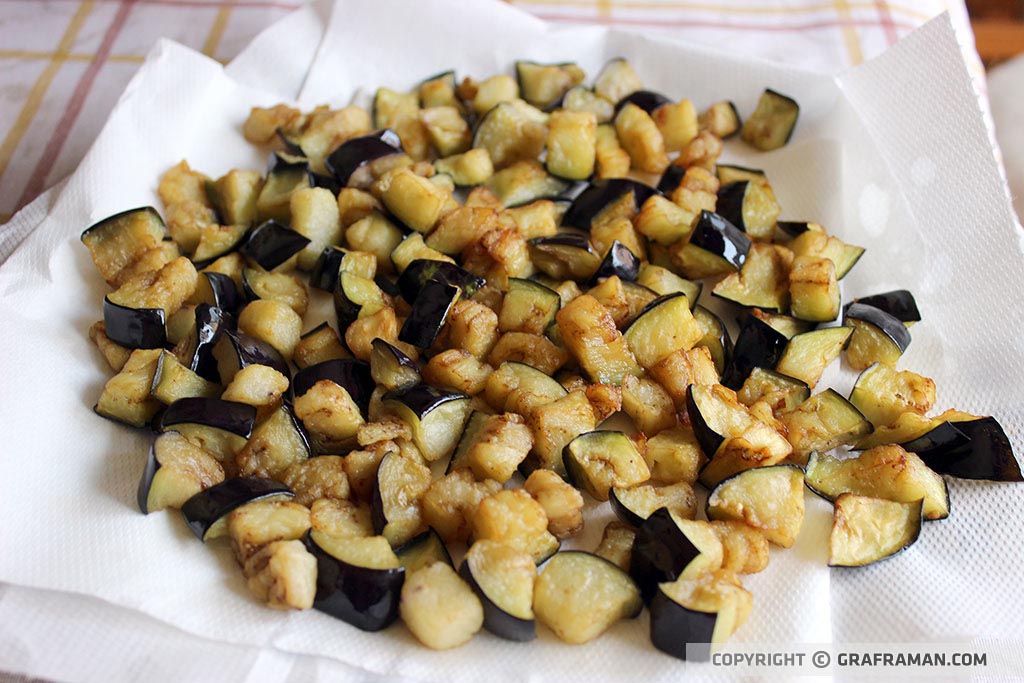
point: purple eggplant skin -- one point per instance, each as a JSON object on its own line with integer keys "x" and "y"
{"x": 601, "y": 194}
{"x": 325, "y": 273}
{"x": 618, "y": 261}
{"x": 395, "y": 361}
{"x": 421, "y": 271}
{"x": 673, "y": 627}
{"x": 899, "y": 303}
{"x": 707, "y": 437}
{"x": 202, "y": 510}
{"x": 671, "y": 178}
{"x": 142, "y": 495}
{"x": 98, "y": 225}
{"x": 225, "y": 293}
{"x": 271, "y": 244}
{"x": 351, "y": 374}
{"x": 423, "y": 398}
{"x": 328, "y": 182}
{"x": 793, "y": 228}
{"x": 251, "y": 351}
{"x": 230, "y": 416}
{"x": 496, "y": 620}
{"x": 730, "y": 202}
{"x": 890, "y": 325}
{"x": 291, "y": 145}
{"x": 660, "y": 553}
{"x": 352, "y": 154}
{"x": 135, "y": 328}
{"x": 717, "y": 235}
{"x": 210, "y": 324}
{"x": 428, "y": 314}
{"x": 280, "y": 161}
{"x": 623, "y": 512}
{"x": 757, "y": 345}
{"x": 387, "y": 285}
{"x": 365, "y": 598}
{"x": 723, "y": 338}
{"x": 648, "y": 100}
{"x": 428, "y": 545}
{"x": 974, "y": 449}
{"x": 575, "y": 240}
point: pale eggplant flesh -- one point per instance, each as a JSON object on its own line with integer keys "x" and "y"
{"x": 203, "y": 510}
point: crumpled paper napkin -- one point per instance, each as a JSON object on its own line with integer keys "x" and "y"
{"x": 892, "y": 155}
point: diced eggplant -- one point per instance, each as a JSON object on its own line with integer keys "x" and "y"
{"x": 440, "y": 608}
{"x": 866, "y": 530}
{"x": 814, "y": 289}
{"x": 668, "y": 547}
{"x": 511, "y": 131}
{"x": 808, "y": 354}
{"x": 317, "y": 345}
{"x": 119, "y": 240}
{"x": 648, "y": 100}
{"x": 435, "y": 416}
{"x": 390, "y": 105}
{"x": 173, "y": 381}
{"x": 234, "y": 195}
{"x": 716, "y": 337}
{"x": 635, "y": 504}
{"x": 823, "y": 422}
{"x": 528, "y": 306}
{"x": 616, "y": 80}
{"x": 544, "y": 85}
{"x": 602, "y": 198}
{"x": 524, "y": 182}
{"x": 751, "y": 208}
{"x": 324, "y": 419}
{"x": 391, "y": 368}
{"x": 517, "y": 387}
{"x": 758, "y": 345}
{"x": 584, "y": 99}
{"x": 355, "y": 297}
{"x": 419, "y": 272}
{"x": 176, "y": 470}
{"x": 413, "y": 248}
{"x": 877, "y": 336}
{"x": 353, "y": 375}
{"x": 359, "y": 580}
{"x": 236, "y": 350}
{"x": 884, "y": 394}
{"x": 567, "y": 255}
{"x": 219, "y": 290}
{"x": 354, "y": 154}
{"x": 515, "y": 518}
{"x": 887, "y": 472}
{"x": 691, "y": 616}
{"x": 773, "y": 121}
{"x": 285, "y": 174}
{"x": 327, "y": 182}
{"x": 899, "y": 304}
{"x": 284, "y": 287}
{"x": 969, "y": 449}
{"x": 217, "y": 241}
{"x": 333, "y": 260}
{"x": 206, "y": 512}
{"x": 589, "y": 333}
{"x": 422, "y": 551}
{"x": 134, "y": 328}
{"x": 797, "y": 228}
{"x": 720, "y": 239}
{"x": 439, "y": 90}
{"x": 762, "y": 282}
{"x": 429, "y": 313}
{"x": 219, "y": 426}
{"x": 665, "y": 326}
{"x": 571, "y": 144}
{"x": 813, "y": 241}
{"x": 770, "y": 499}
{"x": 619, "y": 261}
{"x": 397, "y": 489}
{"x": 272, "y": 244}
{"x": 721, "y": 119}
{"x": 196, "y": 350}
{"x": 782, "y": 392}
{"x": 728, "y": 174}
{"x": 598, "y": 461}
{"x": 126, "y": 396}
{"x": 671, "y": 178}
{"x": 503, "y": 578}
{"x": 579, "y": 596}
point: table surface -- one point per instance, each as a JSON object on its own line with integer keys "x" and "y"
{"x": 65, "y": 62}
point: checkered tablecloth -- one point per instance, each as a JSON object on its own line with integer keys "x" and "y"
{"x": 65, "y": 62}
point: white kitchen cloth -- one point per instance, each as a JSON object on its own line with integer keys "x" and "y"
{"x": 909, "y": 176}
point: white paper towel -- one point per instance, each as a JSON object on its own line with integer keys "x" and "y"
{"x": 909, "y": 176}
